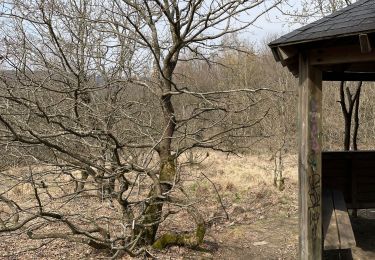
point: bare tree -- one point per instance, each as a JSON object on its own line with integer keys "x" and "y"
{"x": 306, "y": 11}
{"x": 349, "y": 104}
{"x": 90, "y": 95}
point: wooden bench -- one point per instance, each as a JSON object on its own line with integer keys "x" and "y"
{"x": 348, "y": 182}
{"x": 337, "y": 229}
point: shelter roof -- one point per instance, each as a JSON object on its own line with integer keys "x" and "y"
{"x": 356, "y": 18}
{"x": 340, "y": 45}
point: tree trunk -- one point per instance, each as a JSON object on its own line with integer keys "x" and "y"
{"x": 347, "y": 116}
{"x": 348, "y": 125}
{"x": 154, "y": 210}
{"x": 356, "y": 116}
{"x": 80, "y": 184}
{"x": 167, "y": 164}
{"x": 348, "y": 113}
{"x": 193, "y": 239}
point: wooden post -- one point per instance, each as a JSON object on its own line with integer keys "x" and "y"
{"x": 309, "y": 161}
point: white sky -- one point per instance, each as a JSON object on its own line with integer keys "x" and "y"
{"x": 271, "y": 25}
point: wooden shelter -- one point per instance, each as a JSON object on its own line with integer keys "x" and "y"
{"x": 335, "y": 48}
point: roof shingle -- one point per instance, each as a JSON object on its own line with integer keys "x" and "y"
{"x": 356, "y": 18}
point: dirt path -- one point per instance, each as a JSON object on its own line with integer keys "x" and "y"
{"x": 269, "y": 238}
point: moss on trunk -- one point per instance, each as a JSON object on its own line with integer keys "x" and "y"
{"x": 193, "y": 239}
{"x": 189, "y": 240}
{"x": 154, "y": 210}
{"x": 168, "y": 171}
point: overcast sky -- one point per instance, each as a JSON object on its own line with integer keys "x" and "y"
{"x": 272, "y": 24}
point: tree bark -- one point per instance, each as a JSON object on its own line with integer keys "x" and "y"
{"x": 356, "y": 116}
{"x": 188, "y": 239}
{"x": 347, "y": 111}
{"x": 153, "y": 213}
{"x": 347, "y": 116}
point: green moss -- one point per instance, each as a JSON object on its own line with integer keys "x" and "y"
{"x": 189, "y": 240}
{"x": 168, "y": 171}
{"x": 201, "y": 231}
{"x": 164, "y": 241}
{"x": 194, "y": 186}
{"x": 237, "y": 197}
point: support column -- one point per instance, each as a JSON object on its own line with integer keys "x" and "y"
{"x": 309, "y": 161}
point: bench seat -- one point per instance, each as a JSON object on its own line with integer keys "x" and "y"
{"x": 337, "y": 228}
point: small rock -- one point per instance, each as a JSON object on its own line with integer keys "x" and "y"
{"x": 261, "y": 243}
{"x": 238, "y": 210}
{"x": 206, "y": 256}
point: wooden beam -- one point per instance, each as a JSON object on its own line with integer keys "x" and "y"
{"x": 287, "y": 52}
{"x": 361, "y": 67}
{"x": 309, "y": 160}
{"x": 365, "y": 43}
{"x": 340, "y": 54}
{"x": 288, "y": 56}
{"x": 349, "y": 67}
{"x": 293, "y": 67}
{"x": 348, "y": 76}
{"x": 275, "y": 54}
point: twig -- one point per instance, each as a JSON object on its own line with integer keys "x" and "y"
{"x": 218, "y": 195}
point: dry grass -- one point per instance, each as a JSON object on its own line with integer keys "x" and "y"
{"x": 263, "y": 221}
{"x": 246, "y": 172}
{"x": 260, "y": 216}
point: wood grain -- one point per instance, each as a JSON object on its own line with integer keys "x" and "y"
{"x": 330, "y": 232}
{"x": 309, "y": 160}
{"x": 346, "y": 235}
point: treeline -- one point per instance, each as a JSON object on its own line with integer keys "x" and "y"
{"x": 244, "y": 68}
